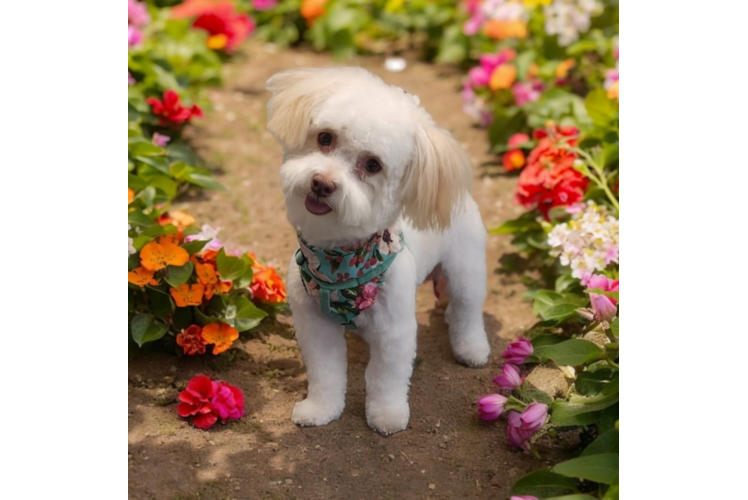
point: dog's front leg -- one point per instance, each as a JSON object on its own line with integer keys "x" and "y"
{"x": 323, "y": 348}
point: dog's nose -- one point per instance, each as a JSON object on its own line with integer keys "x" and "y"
{"x": 322, "y": 186}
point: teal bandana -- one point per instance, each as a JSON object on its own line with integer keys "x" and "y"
{"x": 345, "y": 280}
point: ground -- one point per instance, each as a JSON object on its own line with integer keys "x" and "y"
{"x": 446, "y": 451}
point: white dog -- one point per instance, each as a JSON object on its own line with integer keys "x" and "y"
{"x": 379, "y": 196}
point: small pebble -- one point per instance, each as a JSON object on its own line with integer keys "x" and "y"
{"x": 432, "y": 486}
{"x": 289, "y": 481}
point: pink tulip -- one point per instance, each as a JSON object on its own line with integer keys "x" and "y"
{"x": 518, "y": 351}
{"x": 533, "y": 418}
{"x": 515, "y": 435}
{"x": 509, "y": 378}
{"x": 491, "y": 406}
{"x": 604, "y": 309}
{"x": 524, "y": 497}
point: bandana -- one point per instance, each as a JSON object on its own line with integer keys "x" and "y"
{"x": 345, "y": 280}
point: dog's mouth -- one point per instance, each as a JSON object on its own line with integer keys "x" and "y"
{"x": 316, "y": 206}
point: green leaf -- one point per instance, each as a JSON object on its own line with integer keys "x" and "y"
{"x": 602, "y": 468}
{"x": 245, "y": 279}
{"x": 554, "y": 306}
{"x": 138, "y": 218}
{"x": 524, "y": 222}
{"x": 202, "y": 318}
{"x": 564, "y": 413}
{"x": 606, "y": 442}
{"x": 608, "y": 418}
{"x": 589, "y": 383}
{"x": 237, "y": 312}
{"x": 532, "y": 393}
{"x": 146, "y": 149}
{"x": 132, "y": 114}
{"x": 612, "y": 493}
{"x": 165, "y": 184}
{"x": 176, "y": 276}
{"x": 614, "y": 327}
{"x": 541, "y": 343}
{"x": 204, "y": 180}
{"x": 601, "y": 109}
{"x": 504, "y": 126}
{"x": 229, "y": 267}
{"x": 543, "y": 483}
{"x": 573, "y": 352}
{"x": 145, "y": 328}
{"x": 160, "y": 302}
{"x": 194, "y": 246}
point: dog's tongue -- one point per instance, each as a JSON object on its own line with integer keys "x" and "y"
{"x": 316, "y": 207}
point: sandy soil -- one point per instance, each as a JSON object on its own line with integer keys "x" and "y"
{"x": 446, "y": 452}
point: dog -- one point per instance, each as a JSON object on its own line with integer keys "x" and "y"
{"x": 380, "y": 197}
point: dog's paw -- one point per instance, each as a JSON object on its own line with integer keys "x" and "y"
{"x": 389, "y": 420}
{"x": 309, "y": 413}
{"x": 473, "y": 355}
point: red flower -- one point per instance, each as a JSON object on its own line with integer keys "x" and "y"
{"x": 549, "y": 179}
{"x": 169, "y": 110}
{"x": 226, "y": 27}
{"x": 196, "y": 400}
{"x": 191, "y": 340}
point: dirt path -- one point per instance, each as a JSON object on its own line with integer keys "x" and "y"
{"x": 446, "y": 452}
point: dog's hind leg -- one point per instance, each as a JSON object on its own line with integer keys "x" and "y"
{"x": 464, "y": 267}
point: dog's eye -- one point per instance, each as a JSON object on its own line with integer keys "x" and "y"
{"x": 324, "y": 139}
{"x": 372, "y": 166}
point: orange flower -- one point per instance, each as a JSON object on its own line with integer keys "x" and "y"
{"x": 209, "y": 256}
{"x": 613, "y": 91}
{"x": 532, "y": 71}
{"x": 179, "y": 218}
{"x": 130, "y": 195}
{"x": 503, "y": 77}
{"x": 256, "y": 266}
{"x": 141, "y": 277}
{"x": 312, "y": 9}
{"x": 188, "y": 295}
{"x": 166, "y": 252}
{"x": 513, "y": 160}
{"x": 505, "y": 29}
{"x": 563, "y": 68}
{"x": 220, "y": 334}
{"x": 191, "y": 340}
{"x": 206, "y": 274}
{"x": 268, "y": 287}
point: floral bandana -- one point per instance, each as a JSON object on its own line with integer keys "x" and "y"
{"x": 345, "y": 280}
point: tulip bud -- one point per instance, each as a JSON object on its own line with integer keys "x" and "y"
{"x": 509, "y": 378}
{"x": 491, "y": 406}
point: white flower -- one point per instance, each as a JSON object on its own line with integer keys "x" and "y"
{"x": 130, "y": 248}
{"x": 587, "y": 243}
{"x": 569, "y": 18}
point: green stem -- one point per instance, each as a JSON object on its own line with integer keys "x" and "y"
{"x": 598, "y": 179}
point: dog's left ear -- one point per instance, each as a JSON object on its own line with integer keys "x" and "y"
{"x": 290, "y": 108}
{"x": 437, "y": 180}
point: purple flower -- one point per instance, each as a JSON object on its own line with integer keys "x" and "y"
{"x": 516, "y": 353}
{"x": 264, "y": 4}
{"x": 509, "y": 378}
{"x": 160, "y": 140}
{"x": 491, "y": 406}
{"x": 604, "y": 309}
{"x": 134, "y": 36}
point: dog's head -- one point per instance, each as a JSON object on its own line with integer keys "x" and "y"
{"x": 358, "y": 153}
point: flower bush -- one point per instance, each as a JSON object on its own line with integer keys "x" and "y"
{"x": 185, "y": 289}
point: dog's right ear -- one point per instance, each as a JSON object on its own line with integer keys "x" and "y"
{"x": 290, "y": 108}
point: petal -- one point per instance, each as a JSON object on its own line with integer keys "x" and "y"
{"x": 205, "y": 421}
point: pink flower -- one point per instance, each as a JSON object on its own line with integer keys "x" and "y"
{"x": 367, "y": 297}
{"x": 264, "y": 4}
{"x": 134, "y": 36}
{"x": 514, "y": 433}
{"x": 491, "y": 406}
{"x": 160, "y": 140}
{"x": 195, "y": 400}
{"x": 526, "y": 92}
{"x": 509, "y": 378}
{"x": 605, "y": 307}
{"x": 517, "y": 352}
{"x": 533, "y": 417}
{"x": 524, "y": 497}
{"x": 518, "y": 140}
{"x": 480, "y": 76}
{"x": 137, "y": 13}
{"x": 473, "y": 24}
{"x": 130, "y": 79}
{"x": 228, "y": 401}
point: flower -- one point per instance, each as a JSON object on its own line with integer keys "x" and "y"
{"x": 130, "y": 248}
{"x": 517, "y": 352}
{"x": 170, "y": 110}
{"x": 562, "y": 70}
{"x": 195, "y": 399}
{"x": 533, "y": 417}
{"x": 130, "y": 79}
{"x": 475, "y": 107}
{"x": 515, "y": 435}
{"x": 513, "y": 160}
{"x": 505, "y": 29}
{"x": 502, "y": 77}
{"x": 207, "y": 275}
{"x": 157, "y": 255}
{"x": 220, "y": 334}
{"x": 550, "y": 179}
{"x": 604, "y": 307}
{"x": 509, "y": 378}
{"x": 178, "y": 218}
{"x": 518, "y": 139}
{"x": 141, "y": 276}
{"x": 523, "y": 497}
{"x": 160, "y": 140}
{"x": 228, "y": 401}
{"x": 569, "y": 18}
{"x": 208, "y": 233}
{"x": 588, "y": 242}
{"x": 267, "y": 286}
{"x": 130, "y": 195}
{"x": 312, "y": 9}
{"x": 367, "y": 297}
{"x": 264, "y": 4}
{"x": 188, "y": 295}
{"x": 226, "y": 27}
{"x": 137, "y": 13}
{"x": 491, "y": 406}
{"x": 191, "y": 340}
{"x": 527, "y": 92}
{"x": 472, "y": 25}
{"x": 134, "y": 36}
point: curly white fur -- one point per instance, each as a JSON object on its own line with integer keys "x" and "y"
{"x": 424, "y": 185}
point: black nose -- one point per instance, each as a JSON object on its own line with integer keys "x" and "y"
{"x": 322, "y": 186}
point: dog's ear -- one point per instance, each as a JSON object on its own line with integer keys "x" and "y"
{"x": 295, "y": 93}
{"x": 438, "y": 178}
